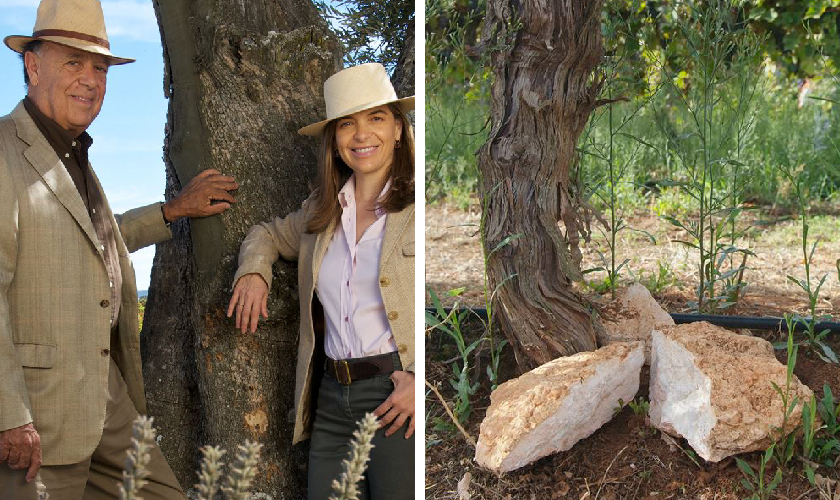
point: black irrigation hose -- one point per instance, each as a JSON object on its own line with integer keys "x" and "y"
{"x": 751, "y": 322}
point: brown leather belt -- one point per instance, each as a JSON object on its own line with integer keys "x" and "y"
{"x": 349, "y": 370}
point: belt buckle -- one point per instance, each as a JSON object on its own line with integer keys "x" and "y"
{"x": 346, "y": 370}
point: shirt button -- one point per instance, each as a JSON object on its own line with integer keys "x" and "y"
{"x": 67, "y": 155}
{"x": 102, "y": 247}
{"x": 104, "y": 304}
{"x": 93, "y": 210}
{"x": 73, "y": 143}
{"x": 393, "y": 315}
{"x": 346, "y": 319}
{"x": 384, "y": 281}
{"x": 105, "y": 352}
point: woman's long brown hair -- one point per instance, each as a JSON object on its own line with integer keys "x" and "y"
{"x": 333, "y": 173}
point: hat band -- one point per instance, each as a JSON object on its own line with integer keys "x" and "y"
{"x": 73, "y": 34}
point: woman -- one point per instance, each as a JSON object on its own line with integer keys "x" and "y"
{"x": 354, "y": 243}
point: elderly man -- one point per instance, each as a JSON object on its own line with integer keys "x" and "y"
{"x": 70, "y": 375}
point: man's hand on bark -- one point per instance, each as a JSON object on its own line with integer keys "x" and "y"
{"x": 206, "y": 194}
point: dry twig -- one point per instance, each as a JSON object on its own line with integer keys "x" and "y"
{"x": 451, "y": 415}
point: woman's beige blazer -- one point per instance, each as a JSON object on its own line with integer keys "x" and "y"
{"x": 286, "y": 237}
{"x": 55, "y": 333}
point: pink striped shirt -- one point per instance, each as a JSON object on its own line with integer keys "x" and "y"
{"x": 348, "y": 286}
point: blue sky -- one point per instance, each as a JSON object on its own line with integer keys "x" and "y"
{"x": 128, "y": 134}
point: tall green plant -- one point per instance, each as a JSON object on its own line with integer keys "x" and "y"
{"x": 815, "y": 340}
{"x": 785, "y": 441}
{"x": 706, "y": 144}
{"x": 605, "y": 161}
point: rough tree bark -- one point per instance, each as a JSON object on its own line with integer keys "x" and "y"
{"x": 403, "y": 78}
{"x": 241, "y": 78}
{"x": 543, "y": 59}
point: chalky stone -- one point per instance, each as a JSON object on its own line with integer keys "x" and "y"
{"x": 632, "y": 317}
{"x": 713, "y": 388}
{"x": 554, "y": 406}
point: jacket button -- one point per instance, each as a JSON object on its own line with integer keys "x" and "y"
{"x": 104, "y": 304}
{"x": 384, "y": 281}
{"x": 105, "y": 352}
{"x": 402, "y": 348}
{"x": 393, "y": 315}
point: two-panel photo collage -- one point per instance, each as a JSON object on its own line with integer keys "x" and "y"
{"x": 440, "y": 249}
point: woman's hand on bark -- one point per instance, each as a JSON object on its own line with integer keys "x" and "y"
{"x": 249, "y": 300}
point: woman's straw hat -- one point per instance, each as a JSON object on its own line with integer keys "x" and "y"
{"x": 79, "y": 24}
{"x": 356, "y": 89}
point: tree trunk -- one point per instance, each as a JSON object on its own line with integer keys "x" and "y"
{"x": 241, "y": 78}
{"x": 544, "y": 89}
{"x": 403, "y": 78}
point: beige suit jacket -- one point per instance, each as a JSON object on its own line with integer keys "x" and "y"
{"x": 55, "y": 334}
{"x": 286, "y": 237}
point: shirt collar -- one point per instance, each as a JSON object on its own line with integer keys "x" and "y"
{"x": 347, "y": 195}
{"x": 55, "y": 134}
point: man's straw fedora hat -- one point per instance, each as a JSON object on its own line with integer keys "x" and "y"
{"x": 79, "y": 24}
{"x": 356, "y": 89}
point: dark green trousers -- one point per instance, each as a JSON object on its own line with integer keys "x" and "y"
{"x": 390, "y": 472}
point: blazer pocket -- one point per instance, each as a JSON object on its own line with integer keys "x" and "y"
{"x": 36, "y": 355}
{"x": 408, "y": 249}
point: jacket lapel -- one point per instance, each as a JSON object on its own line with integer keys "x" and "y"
{"x": 43, "y": 159}
{"x": 394, "y": 227}
{"x": 322, "y": 241}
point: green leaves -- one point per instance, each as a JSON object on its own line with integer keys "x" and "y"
{"x": 756, "y": 482}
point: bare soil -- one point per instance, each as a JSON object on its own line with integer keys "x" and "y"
{"x": 626, "y": 458}
{"x": 454, "y": 259}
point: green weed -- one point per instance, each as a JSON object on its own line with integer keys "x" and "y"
{"x": 657, "y": 281}
{"x": 820, "y": 442}
{"x": 815, "y": 340}
{"x": 758, "y": 483}
{"x": 450, "y": 324}
{"x": 784, "y": 452}
{"x": 640, "y": 406}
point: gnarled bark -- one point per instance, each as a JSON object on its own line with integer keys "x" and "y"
{"x": 241, "y": 78}
{"x": 543, "y": 60}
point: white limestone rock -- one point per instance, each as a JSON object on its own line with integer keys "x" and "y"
{"x": 554, "y": 406}
{"x": 713, "y": 388}
{"x": 632, "y": 317}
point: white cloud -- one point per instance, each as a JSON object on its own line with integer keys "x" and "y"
{"x": 130, "y": 19}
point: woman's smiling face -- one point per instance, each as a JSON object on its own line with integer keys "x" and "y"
{"x": 366, "y": 140}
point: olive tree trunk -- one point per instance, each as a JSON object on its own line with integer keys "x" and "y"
{"x": 403, "y": 78}
{"x": 543, "y": 57}
{"x": 241, "y": 78}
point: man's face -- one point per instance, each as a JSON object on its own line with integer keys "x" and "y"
{"x": 67, "y": 85}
